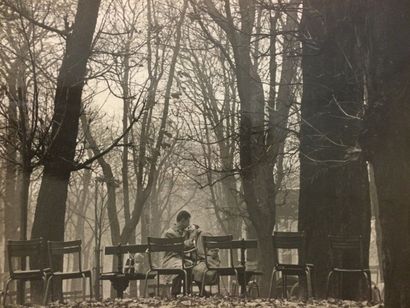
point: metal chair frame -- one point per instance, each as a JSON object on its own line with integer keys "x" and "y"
{"x": 60, "y": 248}
{"x": 175, "y": 245}
{"x": 341, "y": 244}
{"x": 219, "y": 242}
{"x": 291, "y": 240}
{"x": 32, "y": 249}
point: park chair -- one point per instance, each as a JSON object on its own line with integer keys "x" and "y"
{"x": 164, "y": 245}
{"x": 247, "y": 278}
{"x": 120, "y": 278}
{"x": 58, "y": 249}
{"x": 25, "y": 252}
{"x": 291, "y": 241}
{"x": 220, "y": 242}
{"x": 339, "y": 246}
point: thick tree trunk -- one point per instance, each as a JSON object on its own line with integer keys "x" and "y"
{"x": 51, "y": 203}
{"x": 334, "y": 189}
{"x": 387, "y": 139}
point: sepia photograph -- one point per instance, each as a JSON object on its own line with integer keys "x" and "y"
{"x": 205, "y": 153}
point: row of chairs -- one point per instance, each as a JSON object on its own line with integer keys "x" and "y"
{"x": 33, "y": 249}
{"x": 29, "y": 251}
{"x": 339, "y": 246}
{"x": 281, "y": 241}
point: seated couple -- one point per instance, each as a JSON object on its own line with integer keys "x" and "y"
{"x": 193, "y": 239}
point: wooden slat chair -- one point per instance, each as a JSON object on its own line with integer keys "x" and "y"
{"x": 159, "y": 245}
{"x": 340, "y": 245}
{"x": 25, "y": 252}
{"x": 220, "y": 242}
{"x": 291, "y": 241}
{"x": 247, "y": 284}
{"x": 119, "y": 279}
{"x": 60, "y": 249}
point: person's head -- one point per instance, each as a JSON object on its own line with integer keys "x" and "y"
{"x": 183, "y": 219}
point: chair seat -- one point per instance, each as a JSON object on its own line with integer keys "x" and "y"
{"x": 109, "y": 275}
{"x": 253, "y": 273}
{"x": 292, "y": 269}
{"x": 129, "y": 276}
{"x": 139, "y": 276}
{"x": 350, "y": 270}
{"x": 29, "y": 274}
{"x": 227, "y": 271}
{"x": 168, "y": 271}
{"x": 71, "y": 275}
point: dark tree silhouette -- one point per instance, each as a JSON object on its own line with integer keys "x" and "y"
{"x": 387, "y": 138}
{"x": 51, "y": 203}
{"x": 334, "y": 190}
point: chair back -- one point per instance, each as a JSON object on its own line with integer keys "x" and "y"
{"x": 23, "y": 250}
{"x": 343, "y": 245}
{"x": 58, "y": 249}
{"x": 220, "y": 242}
{"x": 170, "y": 246}
{"x": 290, "y": 241}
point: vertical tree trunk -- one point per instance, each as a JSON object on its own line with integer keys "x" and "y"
{"x": 334, "y": 189}
{"x": 11, "y": 204}
{"x": 387, "y": 138}
{"x": 80, "y": 224}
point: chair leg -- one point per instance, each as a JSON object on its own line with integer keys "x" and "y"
{"x": 146, "y": 283}
{"x": 308, "y": 284}
{"x": 257, "y": 288}
{"x": 157, "y": 289}
{"x": 284, "y": 286}
{"x": 219, "y": 285}
{"x": 273, "y": 275}
{"x": 84, "y": 286}
{"x": 329, "y": 276}
{"x": 368, "y": 278}
{"x": 185, "y": 285}
{"x": 203, "y": 284}
{"x": 244, "y": 283}
{"x": 45, "y": 298}
{"x": 90, "y": 278}
{"x": 239, "y": 286}
{"x": 6, "y": 290}
{"x": 234, "y": 284}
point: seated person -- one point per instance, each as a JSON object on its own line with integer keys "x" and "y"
{"x": 172, "y": 259}
{"x": 200, "y": 269}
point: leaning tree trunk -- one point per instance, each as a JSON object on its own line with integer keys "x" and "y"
{"x": 51, "y": 203}
{"x": 387, "y": 139}
{"x": 334, "y": 189}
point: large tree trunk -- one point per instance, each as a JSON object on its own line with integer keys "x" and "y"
{"x": 51, "y": 203}
{"x": 387, "y": 139}
{"x": 334, "y": 189}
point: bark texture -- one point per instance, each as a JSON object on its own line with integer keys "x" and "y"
{"x": 387, "y": 138}
{"x": 51, "y": 203}
{"x": 334, "y": 189}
